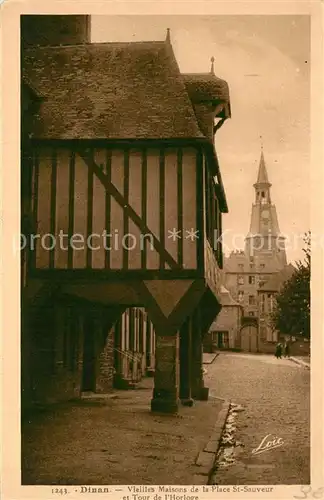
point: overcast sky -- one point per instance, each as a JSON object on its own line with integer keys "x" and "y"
{"x": 265, "y": 60}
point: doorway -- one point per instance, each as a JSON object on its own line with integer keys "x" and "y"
{"x": 249, "y": 338}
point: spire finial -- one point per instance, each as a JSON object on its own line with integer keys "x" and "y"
{"x": 168, "y": 35}
{"x": 212, "y": 60}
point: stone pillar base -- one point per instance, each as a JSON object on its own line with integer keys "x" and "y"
{"x": 204, "y": 394}
{"x": 150, "y": 372}
{"x": 201, "y": 394}
{"x": 164, "y": 406}
{"x": 123, "y": 384}
{"x": 187, "y": 402}
{"x": 164, "y": 402}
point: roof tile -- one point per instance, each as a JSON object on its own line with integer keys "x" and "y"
{"x": 110, "y": 90}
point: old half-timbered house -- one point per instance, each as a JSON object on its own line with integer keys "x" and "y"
{"x": 123, "y": 212}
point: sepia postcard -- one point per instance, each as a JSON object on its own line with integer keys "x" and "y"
{"x": 162, "y": 250}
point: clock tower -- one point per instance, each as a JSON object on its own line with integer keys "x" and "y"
{"x": 264, "y": 239}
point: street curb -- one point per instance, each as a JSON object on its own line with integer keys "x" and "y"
{"x": 212, "y": 361}
{"x": 299, "y": 362}
{"x": 205, "y": 460}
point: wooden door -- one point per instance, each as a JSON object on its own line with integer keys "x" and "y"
{"x": 249, "y": 338}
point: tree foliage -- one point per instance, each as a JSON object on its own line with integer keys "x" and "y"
{"x": 292, "y": 312}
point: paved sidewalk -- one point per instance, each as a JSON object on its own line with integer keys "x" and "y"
{"x": 209, "y": 358}
{"x": 115, "y": 439}
{"x": 301, "y": 360}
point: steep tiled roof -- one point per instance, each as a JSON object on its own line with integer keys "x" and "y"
{"x": 276, "y": 281}
{"x": 110, "y": 90}
{"x": 262, "y": 173}
{"x": 226, "y": 298}
{"x": 270, "y": 263}
{"x": 206, "y": 87}
{"x": 221, "y": 322}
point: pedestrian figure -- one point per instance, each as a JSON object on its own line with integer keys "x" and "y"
{"x": 287, "y": 350}
{"x": 278, "y": 352}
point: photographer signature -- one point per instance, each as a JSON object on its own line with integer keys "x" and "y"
{"x": 268, "y": 444}
{"x": 309, "y": 493}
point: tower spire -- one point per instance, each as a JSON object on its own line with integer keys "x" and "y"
{"x": 262, "y": 172}
{"x": 212, "y": 60}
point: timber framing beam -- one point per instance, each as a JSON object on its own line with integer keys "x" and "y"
{"x": 111, "y": 189}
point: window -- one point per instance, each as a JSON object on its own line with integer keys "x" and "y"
{"x": 251, "y": 280}
{"x": 271, "y": 302}
{"x": 262, "y": 303}
{"x": 241, "y": 267}
{"x": 240, "y": 296}
{"x": 263, "y": 332}
{"x": 212, "y": 215}
{"x": 251, "y": 300}
{"x": 272, "y": 335}
{"x": 240, "y": 280}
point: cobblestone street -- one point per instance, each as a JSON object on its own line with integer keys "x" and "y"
{"x": 275, "y": 395}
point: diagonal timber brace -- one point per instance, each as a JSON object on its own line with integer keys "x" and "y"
{"x": 113, "y": 191}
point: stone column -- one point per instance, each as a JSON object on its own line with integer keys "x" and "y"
{"x": 198, "y": 390}
{"x": 118, "y": 368}
{"x": 185, "y": 363}
{"x": 166, "y": 376}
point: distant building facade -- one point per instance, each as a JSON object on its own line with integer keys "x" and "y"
{"x": 267, "y": 301}
{"x": 262, "y": 260}
{"x": 298, "y": 345}
{"x": 225, "y": 330}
